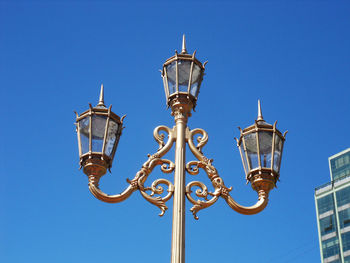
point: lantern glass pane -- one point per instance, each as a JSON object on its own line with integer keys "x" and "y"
{"x": 265, "y": 147}
{"x": 251, "y": 149}
{"x": 244, "y": 159}
{"x": 98, "y": 126}
{"x": 171, "y": 74}
{"x": 277, "y": 153}
{"x": 165, "y": 87}
{"x": 195, "y": 81}
{"x": 112, "y": 135}
{"x": 184, "y": 67}
{"x": 84, "y": 131}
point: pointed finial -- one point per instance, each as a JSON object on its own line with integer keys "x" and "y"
{"x": 260, "y": 117}
{"x": 184, "y": 50}
{"x": 101, "y": 101}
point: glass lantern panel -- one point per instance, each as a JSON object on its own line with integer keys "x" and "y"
{"x": 165, "y": 87}
{"x": 277, "y": 153}
{"x": 195, "y": 81}
{"x": 184, "y": 68}
{"x": 171, "y": 74}
{"x": 244, "y": 159}
{"x": 111, "y": 139}
{"x": 84, "y": 131}
{"x": 265, "y": 147}
{"x": 251, "y": 148}
{"x": 98, "y": 126}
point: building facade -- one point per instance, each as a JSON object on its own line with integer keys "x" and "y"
{"x": 333, "y": 211}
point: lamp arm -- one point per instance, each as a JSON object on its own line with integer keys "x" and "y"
{"x": 96, "y": 191}
{"x": 141, "y": 176}
{"x": 263, "y": 199}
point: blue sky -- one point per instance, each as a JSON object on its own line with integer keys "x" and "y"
{"x": 293, "y": 55}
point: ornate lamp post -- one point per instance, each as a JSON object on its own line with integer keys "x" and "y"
{"x": 260, "y": 146}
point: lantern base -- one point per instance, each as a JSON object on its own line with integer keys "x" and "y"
{"x": 263, "y": 180}
{"x": 94, "y": 165}
{"x": 181, "y": 102}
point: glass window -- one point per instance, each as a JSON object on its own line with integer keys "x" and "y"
{"x": 98, "y": 132}
{"x": 343, "y": 196}
{"x": 196, "y": 75}
{"x": 251, "y": 147}
{"x": 278, "y": 153}
{"x": 84, "y": 131}
{"x": 325, "y": 204}
{"x": 265, "y": 147}
{"x": 346, "y": 241}
{"x": 171, "y": 74}
{"x": 340, "y": 165}
{"x": 347, "y": 259}
{"x": 111, "y": 137}
{"x": 327, "y": 225}
{"x": 344, "y": 218}
{"x": 330, "y": 247}
{"x": 184, "y": 68}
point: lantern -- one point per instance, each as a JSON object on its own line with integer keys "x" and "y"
{"x": 182, "y": 76}
{"x": 261, "y": 147}
{"x": 98, "y": 131}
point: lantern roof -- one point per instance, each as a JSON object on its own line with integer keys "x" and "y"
{"x": 100, "y": 109}
{"x": 260, "y": 124}
{"x": 185, "y": 56}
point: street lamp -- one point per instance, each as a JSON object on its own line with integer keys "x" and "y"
{"x": 260, "y": 146}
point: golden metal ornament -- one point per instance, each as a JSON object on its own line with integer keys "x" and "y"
{"x": 262, "y": 178}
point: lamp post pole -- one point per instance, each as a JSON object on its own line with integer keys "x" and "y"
{"x": 178, "y": 231}
{"x": 260, "y": 145}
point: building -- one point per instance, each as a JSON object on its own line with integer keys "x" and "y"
{"x": 333, "y": 211}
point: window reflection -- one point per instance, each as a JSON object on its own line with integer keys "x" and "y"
{"x": 343, "y": 196}
{"x": 346, "y": 241}
{"x": 325, "y": 204}
{"x": 330, "y": 247}
{"x": 327, "y": 225}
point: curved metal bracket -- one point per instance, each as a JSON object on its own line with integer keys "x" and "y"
{"x": 167, "y": 166}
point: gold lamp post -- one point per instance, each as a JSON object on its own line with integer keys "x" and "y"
{"x": 260, "y": 146}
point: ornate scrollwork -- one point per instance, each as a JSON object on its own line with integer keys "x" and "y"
{"x": 159, "y": 137}
{"x": 166, "y": 166}
{"x": 201, "y": 140}
{"x": 192, "y": 167}
{"x": 201, "y": 192}
{"x": 203, "y": 162}
{"x": 157, "y": 189}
